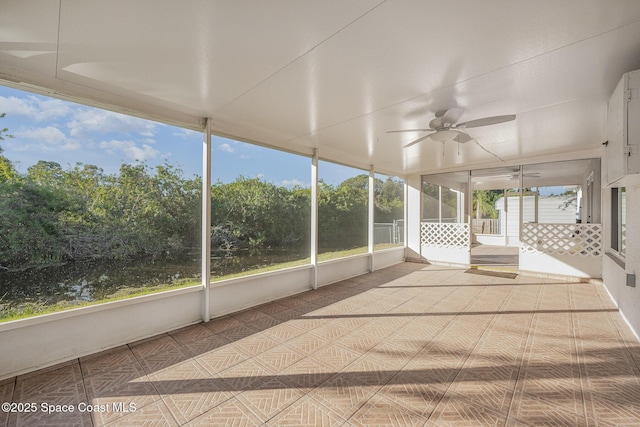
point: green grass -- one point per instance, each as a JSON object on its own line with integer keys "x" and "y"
{"x": 382, "y": 246}
{"x": 265, "y": 269}
{"x": 326, "y": 256}
{"x": 27, "y": 310}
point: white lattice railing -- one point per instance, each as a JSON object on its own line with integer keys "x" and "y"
{"x": 445, "y": 235}
{"x": 562, "y": 239}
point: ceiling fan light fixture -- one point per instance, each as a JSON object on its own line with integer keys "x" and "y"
{"x": 444, "y": 135}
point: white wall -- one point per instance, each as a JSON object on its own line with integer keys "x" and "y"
{"x": 42, "y": 341}
{"x": 447, "y": 256}
{"x": 614, "y": 274}
{"x": 414, "y": 213}
{"x": 564, "y": 265}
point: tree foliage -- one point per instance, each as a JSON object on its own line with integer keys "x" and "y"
{"x": 484, "y": 203}
{"x": 52, "y": 214}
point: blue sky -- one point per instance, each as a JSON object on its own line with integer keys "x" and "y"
{"x": 54, "y": 130}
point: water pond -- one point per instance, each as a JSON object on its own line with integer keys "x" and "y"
{"x": 97, "y": 280}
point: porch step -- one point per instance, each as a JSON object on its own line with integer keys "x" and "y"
{"x": 495, "y": 267}
{"x": 506, "y": 272}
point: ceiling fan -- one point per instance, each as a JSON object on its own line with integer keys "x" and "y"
{"x": 445, "y": 126}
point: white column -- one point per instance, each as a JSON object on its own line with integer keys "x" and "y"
{"x": 413, "y": 208}
{"x": 406, "y": 216}
{"x": 506, "y": 217}
{"x": 314, "y": 219}
{"x": 372, "y": 196}
{"x": 521, "y": 204}
{"x": 206, "y": 222}
{"x": 440, "y": 204}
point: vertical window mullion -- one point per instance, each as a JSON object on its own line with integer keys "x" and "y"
{"x": 615, "y": 206}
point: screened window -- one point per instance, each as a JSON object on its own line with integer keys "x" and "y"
{"x": 94, "y": 206}
{"x": 342, "y": 211}
{"x": 388, "y": 216}
{"x": 443, "y": 197}
{"x": 619, "y": 220}
{"x": 260, "y": 211}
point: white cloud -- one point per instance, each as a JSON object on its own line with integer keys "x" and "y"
{"x": 36, "y": 108}
{"x": 130, "y": 150}
{"x": 49, "y": 134}
{"x": 82, "y": 121}
{"x": 88, "y": 122}
{"x": 47, "y": 138}
{"x": 227, "y": 148}
{"x": 187, "y": 134}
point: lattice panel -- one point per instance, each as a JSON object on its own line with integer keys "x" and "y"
{"x": 445, "y": 235}
{"x": 562, "y": 239}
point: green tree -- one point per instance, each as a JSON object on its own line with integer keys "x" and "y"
{"x": 251, "y": 212}
{"x": 7, "y": 170}
{"x": 342, "y": 213}
{"x": 484, "y": 202}
{"x": 32, "y": 225}
{"x": 389, "y": 200}
{"x": 46, "y": 173}
{"x": 4, "y": 133}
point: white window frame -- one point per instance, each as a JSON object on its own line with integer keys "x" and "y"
{"x": 618, "y": 221}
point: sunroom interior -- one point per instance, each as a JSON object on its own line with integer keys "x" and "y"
{"x": 328, "y": 81}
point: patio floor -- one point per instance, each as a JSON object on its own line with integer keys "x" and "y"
{"x": 409, "y": 345}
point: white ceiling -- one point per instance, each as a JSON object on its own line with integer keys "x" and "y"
{"x": 336, "y": 75}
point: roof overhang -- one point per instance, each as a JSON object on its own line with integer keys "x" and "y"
{"x": 335, "y": 76}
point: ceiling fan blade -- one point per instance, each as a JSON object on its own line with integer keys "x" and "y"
{"x": 486, "y": 121}
{"x": 451, "y": 116}
{"x": 417, "y": 140}
{"x": 462, "y": 137}
{"x": 408, "y": 130}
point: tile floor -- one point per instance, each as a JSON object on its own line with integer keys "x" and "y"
{"x": 410, "y": 345}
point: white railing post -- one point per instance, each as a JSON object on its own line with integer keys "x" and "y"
{"x": 370, "y": 235}
{"x": 206, "y": 223}
{"x": 314, "y": 220}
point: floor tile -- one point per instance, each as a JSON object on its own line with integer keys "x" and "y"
{"x": 177, "y": 377}
{"x": 454, "y": 412}
{"x": 279, "y": 358}
{"x": 307, "y": 374}
{"x": 266, "y": 399}
{"x": 221, "y": 359}
{"x": 191, "y": 333}
{"x": 414, "y": 393}
{"x": 306, "y": 412}
{"x": 379, "y": 411}
{"x": 229, "y": 413}
{"x": 155, "y": 414}
{"x": 409, "y": 345}
{"x": 105, "y": 361}
{"x": 44, "y": 392}
{"x": 122, "y": 386}
{"x": 6, "y": 395}
{"x": 197, "y": 399}
{"x": 244, "y": 376}
{"x": 342, "y": 396}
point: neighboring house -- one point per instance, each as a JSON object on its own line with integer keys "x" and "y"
{"x": 562, "y": 209}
